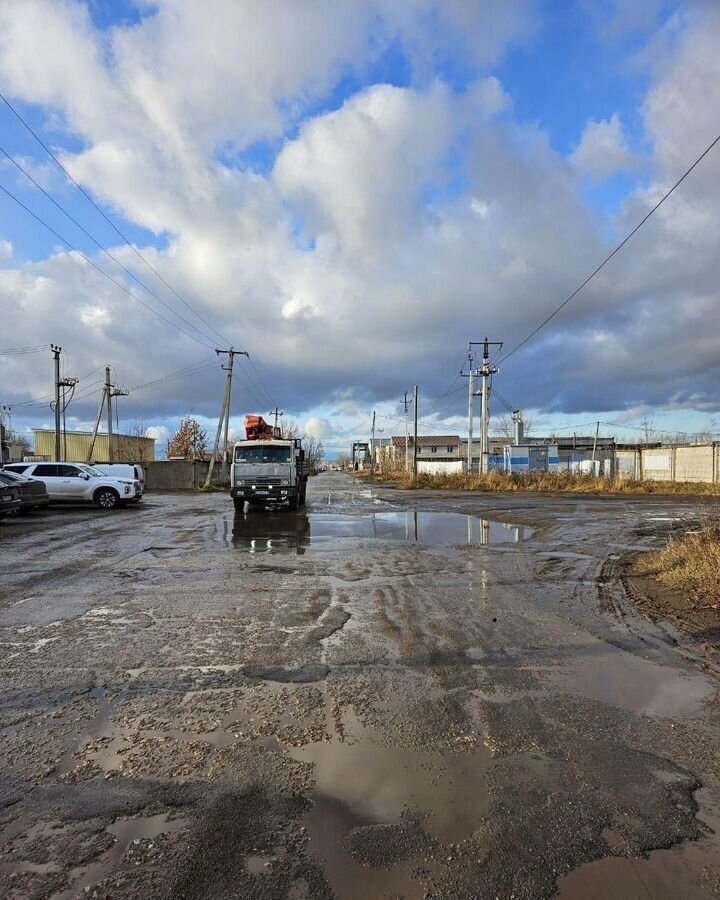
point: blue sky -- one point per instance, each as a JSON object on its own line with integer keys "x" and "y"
{"x": 354, "y": 193}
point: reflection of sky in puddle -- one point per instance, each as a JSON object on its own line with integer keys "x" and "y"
{"x": 272, "y": 531}
{"x": 625, "y": 680}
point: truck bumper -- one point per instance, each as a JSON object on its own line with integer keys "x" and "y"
{"x": 269, "y": 494}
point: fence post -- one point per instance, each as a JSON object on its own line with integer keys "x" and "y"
{"x": 673, "y": 461}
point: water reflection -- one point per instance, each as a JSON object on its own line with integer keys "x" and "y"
{"x": 413, "y": 526}
{"x": 266, "y": 531}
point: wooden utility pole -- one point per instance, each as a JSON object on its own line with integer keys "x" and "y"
{"x": 224, "y": 413}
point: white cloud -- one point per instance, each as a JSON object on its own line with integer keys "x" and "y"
{"x": 387, "y": 233}
{"x": 6, "y": 250}
{"x": 603, "y": 149}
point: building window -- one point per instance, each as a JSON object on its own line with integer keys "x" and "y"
{"x": 450, "y": 449}
{"x": 433, "y": 449}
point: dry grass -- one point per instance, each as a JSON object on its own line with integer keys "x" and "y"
{"x": 690, "y": 563}
{"x": 549, "y": 482}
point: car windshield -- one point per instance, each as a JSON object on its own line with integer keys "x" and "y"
{"x": 262, "y": 453}
{"x": 91, "y": 470}
{"x": 13, "y": 476}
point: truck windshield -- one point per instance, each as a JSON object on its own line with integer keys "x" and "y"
{"x": 262, "y": 453}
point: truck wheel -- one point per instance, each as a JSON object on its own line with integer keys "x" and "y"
{"x": 107, "y": 498}
{"x": 238, "y": 504}
{"x": 293, "y": 503}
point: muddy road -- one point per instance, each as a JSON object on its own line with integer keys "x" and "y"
{"x": 384, "y": 696}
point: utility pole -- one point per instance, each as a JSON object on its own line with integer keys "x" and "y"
{"x": 372, "y": 448}
{"x": 471, "y": 403}
{"x": 407, "y": 453}
{"x": 108, "y": 397}
{"x": 415, "y": 441}
{"x": 56, "y": 353}
{"x": 486, "y": 371}
{"x": 224, "y": 413}
{"x": 597, "y": 432}
{"x": 277, "y": 413}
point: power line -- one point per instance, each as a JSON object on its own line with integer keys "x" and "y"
{"x": 107, "y": 219}
{"x": 616, "y": 250}
{"x": 100, "y": 246}
{"x": 12, "y": 351}
{"x": 101, "y": 271}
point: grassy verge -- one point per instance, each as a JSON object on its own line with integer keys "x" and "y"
{"x": 689, "y": 564}
{"x": 550, "y": 482}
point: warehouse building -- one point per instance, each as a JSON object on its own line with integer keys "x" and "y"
{"x": 75, "y": 445}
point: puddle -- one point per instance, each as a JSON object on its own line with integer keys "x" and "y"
{"x": 425, "y": 795}
{"x": 126, "y": 832}
{"x": 268, "y": 531}
{"x": 634, "y": 683}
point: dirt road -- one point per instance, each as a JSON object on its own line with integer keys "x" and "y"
{"x": 386, "y": 696}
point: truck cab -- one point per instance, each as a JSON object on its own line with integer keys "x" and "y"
{"x": 268, "y": 470}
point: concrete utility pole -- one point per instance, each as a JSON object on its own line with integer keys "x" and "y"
{"x": 415, "y": 441}
{"x": 471, "y": 403}
{"x": 597, "y": 432}
{"x": 486, "y": 371}
{"x": 108, "y": 397}
{"x": 224, "y": 413}
{"x": 407, "y": 450}
{"x": 372, "y": 448}
{"x": 56, "y": 353}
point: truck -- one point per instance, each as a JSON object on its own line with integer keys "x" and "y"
{"x": 266, "y": 468}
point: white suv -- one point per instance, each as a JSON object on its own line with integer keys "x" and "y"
{"x": 80, "y": 483}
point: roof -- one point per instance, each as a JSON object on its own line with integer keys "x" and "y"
{"x": 444, "y": 440}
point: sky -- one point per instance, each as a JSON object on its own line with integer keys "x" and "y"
{"x": 351, "y": 192}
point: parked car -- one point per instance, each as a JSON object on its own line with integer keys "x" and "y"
{"x": 33, "y": 494}
{"x": 80, "y": 483}
{"x": 9, "y": 500}
{"x": 131, "y": 471}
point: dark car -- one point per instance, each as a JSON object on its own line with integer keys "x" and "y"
{"x": 9, "y": 499}
{"x": 33, "y": 494}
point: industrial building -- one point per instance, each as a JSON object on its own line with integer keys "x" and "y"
{"x": 75, "y": 445}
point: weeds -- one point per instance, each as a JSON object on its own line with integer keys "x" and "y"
{"x": 690, "y": 563}
{"x": 550, "y": 482}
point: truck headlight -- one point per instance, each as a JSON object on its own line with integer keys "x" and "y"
{"x": 285, "y": 481}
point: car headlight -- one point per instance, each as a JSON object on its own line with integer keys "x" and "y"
{"x": 127, "y": 488}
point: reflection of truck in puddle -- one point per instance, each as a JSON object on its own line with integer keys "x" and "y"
{"x": 267, "y": 469}
{"x": 278, "y": 531}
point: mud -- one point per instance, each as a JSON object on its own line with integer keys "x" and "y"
{"x": 407, "y": 696}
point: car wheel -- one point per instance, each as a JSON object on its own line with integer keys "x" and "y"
{"x": 107, "y": 498}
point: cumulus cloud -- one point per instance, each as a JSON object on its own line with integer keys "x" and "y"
{"x": 384, "y": 232}
{"x": 6, "y": 250}
{"x": 603, "y": 149}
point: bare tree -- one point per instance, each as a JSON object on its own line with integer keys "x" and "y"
{"x": 22, "y": 441}
{"x": 189, "y": 441}
{"x": 314, "y": 453}
{"x": 505, "y": 426}
{"x": 130, "y": 447}
{"x": 343, "y": 460}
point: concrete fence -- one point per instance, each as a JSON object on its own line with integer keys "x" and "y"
{"x": 681, "y": 462}
{"x": 178, "y": 475}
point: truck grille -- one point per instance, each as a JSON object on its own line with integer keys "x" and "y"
{"x": 266, "y": 482}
